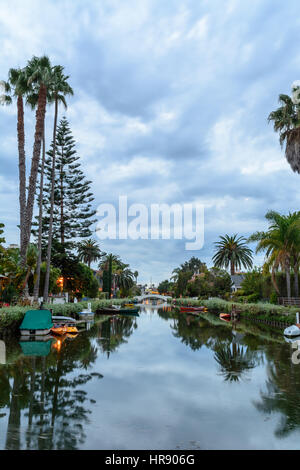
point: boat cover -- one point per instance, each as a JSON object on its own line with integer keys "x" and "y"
{"x": 37, "y": 320}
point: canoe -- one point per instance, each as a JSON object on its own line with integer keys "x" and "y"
{"x": 193, "y": 309}
{"x": 225, "y": 316}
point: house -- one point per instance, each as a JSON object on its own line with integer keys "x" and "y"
{"x": 237, "y": 280}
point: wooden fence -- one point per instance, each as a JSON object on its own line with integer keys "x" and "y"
{"x": 289, "y": 301}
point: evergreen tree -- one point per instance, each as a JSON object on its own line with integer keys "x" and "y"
{"x": 73, "y": 213}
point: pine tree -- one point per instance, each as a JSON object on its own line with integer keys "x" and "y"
{"x": 73, "y": 212}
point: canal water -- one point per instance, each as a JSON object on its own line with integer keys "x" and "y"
{"x": 162, "y": 380}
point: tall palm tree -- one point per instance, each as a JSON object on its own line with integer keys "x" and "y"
{"x": 232, "y": 251}
{"x": 286, "y": 121}
{"x": 39, "y": 74}
{"x": 88, "y": 251}
{"x": 281, "y": 243}
{"x": 59, "y": 88}
{"x": 17, "y": 86}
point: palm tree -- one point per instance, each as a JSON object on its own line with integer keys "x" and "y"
{"x": 39, "y": 74}
{"x": 281, "y": 243}
{"x": 88, "y": 251}
{"x": 136, "y": 276}
{"x": 232, "y": 251}
{"x": 59, "y": 88}
{"x": 124, "y": 278}
{"x": 32, "y": 100}
{"x": 18, "y": 87}
{"x": 286, "y": 121}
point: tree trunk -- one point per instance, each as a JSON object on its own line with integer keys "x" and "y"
{"x": 39, "y": 260}
{"x": 22, "y": 171}
{"x": 39, "y": 131}
{"x": 296, "y": 280}
{"x": 47, "y": 277}
{"x": 288, "y": 279}
{"x": 62, "y": 230}
{"x": 232, "y": 268}
{"x": 273, "y": 277}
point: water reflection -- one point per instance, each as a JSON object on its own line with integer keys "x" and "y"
{"x": 171, "y": 367}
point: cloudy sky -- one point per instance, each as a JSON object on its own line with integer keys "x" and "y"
{"x": 170, "y": 106}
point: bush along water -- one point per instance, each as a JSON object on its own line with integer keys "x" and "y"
{"x": 12, "y": 317}
{"x": 255, "y": 311}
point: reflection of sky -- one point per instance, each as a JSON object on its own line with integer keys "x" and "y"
{"x": 157, "y": 393}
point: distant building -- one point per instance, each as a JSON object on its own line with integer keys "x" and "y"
{"x": 13, "y": 245}
{"x": 237, "y": 280}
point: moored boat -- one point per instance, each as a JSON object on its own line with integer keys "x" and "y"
{"x": 193, "y": 309}
{"x": 117, "y": 311}
{"x": 293, "y": 330}
{"x": 68, "y": 328}
{"x": 62, "y": 320}
{"x": 36, "y": 323}
{"x": 225, "y": 316}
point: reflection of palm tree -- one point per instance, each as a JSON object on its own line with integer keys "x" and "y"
{"x": 282, "y": 391}
{"x": 13, "y": 440}
{"x": 234, "y": 361}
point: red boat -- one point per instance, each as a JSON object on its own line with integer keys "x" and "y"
{"x": 193, "y": 309}
{"x": 225, "y": 316}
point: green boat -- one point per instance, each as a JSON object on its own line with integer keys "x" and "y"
{"x": 36, "y": 323}
{"x": 118, "y": 311}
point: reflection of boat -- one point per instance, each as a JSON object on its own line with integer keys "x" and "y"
{"x": 193, "y": 309}
{"x": 36, "y": 323}
{"x": 291, "y": 339}
{"x": 36, "y": 348}
{"x": 225, "y": 316}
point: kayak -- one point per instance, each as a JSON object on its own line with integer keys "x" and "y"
{"x": 64, "y": 329}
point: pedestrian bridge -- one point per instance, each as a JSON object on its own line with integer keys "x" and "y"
{"x": 140, "y": 298}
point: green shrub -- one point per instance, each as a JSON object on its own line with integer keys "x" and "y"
{"x": 274, "y": 298}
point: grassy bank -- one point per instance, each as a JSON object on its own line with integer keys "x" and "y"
{"x": 257, "y": 311}
{"x": 11, "y": 317}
